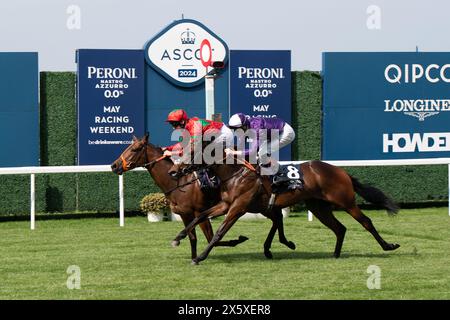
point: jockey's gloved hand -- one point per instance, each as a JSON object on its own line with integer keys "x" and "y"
{"x": 167, "y": 153}
{"x": 229, "y": 151}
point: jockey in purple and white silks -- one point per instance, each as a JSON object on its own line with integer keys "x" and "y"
{"x": 264, "y": 140}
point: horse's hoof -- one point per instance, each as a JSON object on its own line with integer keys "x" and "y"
{"x": 291, "y": 245}
{"x": 175, "y": 243}
{"x": 242, "y": 239}
{"x": 194, "y": 262}
{"x": 392, "y": 246}
{"x": 268, "y": 254}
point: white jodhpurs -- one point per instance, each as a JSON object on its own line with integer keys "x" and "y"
{"x": 268, "y": 146}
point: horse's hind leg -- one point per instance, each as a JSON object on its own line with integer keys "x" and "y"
{"x": 269, "y": 239}
{"x": 365, "y": 221}
{"x": 281, "y": 235}
{"x": 277, "y": 224}
{"x": 323, "y": 211}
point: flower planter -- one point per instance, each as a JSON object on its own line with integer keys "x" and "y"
{"x": 154, "y": 216}
{"x": 174, "y": 217}
{"x": 156, "y": 206}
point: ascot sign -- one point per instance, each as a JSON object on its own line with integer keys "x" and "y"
{"x": 175, "y": 52}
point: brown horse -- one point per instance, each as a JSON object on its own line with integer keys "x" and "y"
{"x": 184, "y": 195}
{"x": 325, "y": 186}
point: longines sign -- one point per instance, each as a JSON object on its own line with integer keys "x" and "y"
{"x": 175, "y": 52}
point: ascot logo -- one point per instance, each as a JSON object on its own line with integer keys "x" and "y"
{"x": 175, "y": 52}
{"x": 188, "y": 37}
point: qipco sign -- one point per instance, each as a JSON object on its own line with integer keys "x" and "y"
{"x": 175, "y": 52}
{"x": 411, "y": 73}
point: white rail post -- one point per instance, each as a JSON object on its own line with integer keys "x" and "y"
{"x": 121, "y": 202}
{"x": 310, "y": 216}
{"x": 32, "y": 201}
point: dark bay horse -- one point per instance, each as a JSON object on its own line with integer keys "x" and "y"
{"x": 325, "y": 186}
{"x": 184, "y": 195}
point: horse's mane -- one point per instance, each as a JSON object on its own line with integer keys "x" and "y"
{"x": 159, "y": 148}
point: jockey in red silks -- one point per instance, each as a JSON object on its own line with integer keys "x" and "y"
{"x": 195, "y": 130}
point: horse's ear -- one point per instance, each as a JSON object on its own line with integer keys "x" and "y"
{"x": 134, "y": 138}
{"x": 146, "y": 137}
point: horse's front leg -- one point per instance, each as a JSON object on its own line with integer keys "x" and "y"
{"x": 208, "y": 232}
{"x": 192, "y": 235}
{"x": 215, "y": 211}
{"x": 232, "y": 217}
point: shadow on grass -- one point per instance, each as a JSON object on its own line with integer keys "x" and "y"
{"x": 298, "y": 255}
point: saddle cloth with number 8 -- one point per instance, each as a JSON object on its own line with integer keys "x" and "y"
{"x": 288, "y": 177}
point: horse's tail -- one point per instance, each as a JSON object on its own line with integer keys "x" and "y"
{"x": 375, "y": 196}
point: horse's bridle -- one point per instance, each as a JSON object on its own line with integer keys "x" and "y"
{"x": 146, "y": 162}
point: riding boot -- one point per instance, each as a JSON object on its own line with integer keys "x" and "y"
{"x": 270, "y": 167}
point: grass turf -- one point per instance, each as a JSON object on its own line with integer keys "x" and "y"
{"x": 137, "y": 261}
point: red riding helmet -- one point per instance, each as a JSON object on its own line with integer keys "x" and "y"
{"x": 177, "y": 115}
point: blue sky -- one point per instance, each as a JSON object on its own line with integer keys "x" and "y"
{"x": 307, "y": 28}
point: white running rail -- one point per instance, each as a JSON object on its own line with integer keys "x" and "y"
{"x": 32, "y": 171}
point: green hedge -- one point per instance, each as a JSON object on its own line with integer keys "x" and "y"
{"x": 58, "y": 117}
{"x": 98, "y": 192}
{"x": 95, "y": 192}
{"x": 306, "y": 114}
{"x": 58, "y": 138}
{"x": 407, "y": 184}
{"x": 15, "y": 194}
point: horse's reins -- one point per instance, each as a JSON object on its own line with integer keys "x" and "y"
{"x": 243, "y": 161}
{"x": 146, "y": 162}
{"x": 151, "y": 163}
{"x": 180, "y": 186}
{"x": 251, "y": 168}
{"x": 247, "y": 164}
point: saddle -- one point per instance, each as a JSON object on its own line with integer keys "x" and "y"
{"x": 208, "y": 181}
